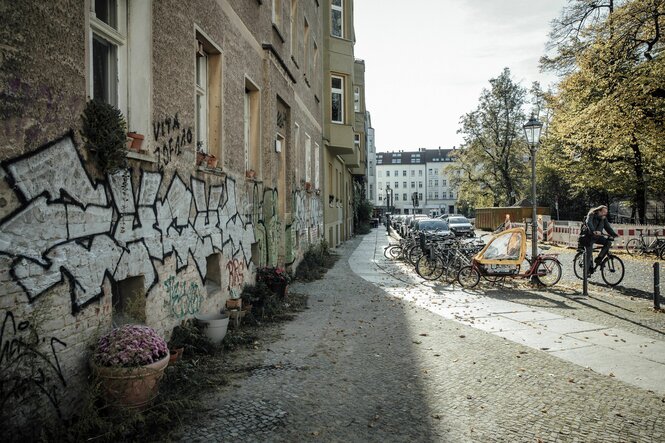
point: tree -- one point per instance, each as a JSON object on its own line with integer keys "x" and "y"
{"x": 609, "y": 111}
{"x": 490, "y": 167}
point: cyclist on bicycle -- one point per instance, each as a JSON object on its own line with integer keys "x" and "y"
{"x": 596, "y": 221}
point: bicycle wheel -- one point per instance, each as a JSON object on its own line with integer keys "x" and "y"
{"x": 612, "y": 270}
{"x": 388, "y": 251}
{"x": 414, "y": 254}
{"x": 468, "y": 277}
{"x": 634, "y": 247}
{"x": 548, "y": 271}
{"x": 578, "y": 265}
{"x": 429, "y": 268}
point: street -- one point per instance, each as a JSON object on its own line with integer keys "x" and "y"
{"x": 381, "y": 357}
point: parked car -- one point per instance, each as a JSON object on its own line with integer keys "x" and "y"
{"x": 446, "y": 216}
{"x": 431, "y": 226}
{"x": 412, "y": 222}
{"x": 461, "y": 226}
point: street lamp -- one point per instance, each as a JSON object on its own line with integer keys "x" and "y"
{"x": 532, "y": 132}
{"x": 389, "y": 197}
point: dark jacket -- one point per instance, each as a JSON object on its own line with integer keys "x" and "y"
{"x": 597, "y": 223}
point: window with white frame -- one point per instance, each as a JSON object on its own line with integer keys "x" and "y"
{"x": 413, "y": 185}
{"x": 420, "y": 184}
{"x": 436, "y": 182}
{"x": 420, "y": 173}
{"x": 436, "y": 194}
{"x": 388, "y": 173}
{"x": 396, "y": 185}
{"x": 404, "y": 173}
{"x": 292, "y": 26}
{"x": 118, "y": 28}
{"x": 201, "y": 98}
{"x": 404, "y": 183}
{"x": 251, "y": 127}
{"x": 420, "y": 196}
{"x": 337, "y": 99}
{"x": 316, "y": 165}
{"x": 337, "y": 18}
{"x": 356, "y": 98}
{"x": 404, "y": 197}
{"x": 451, "y": 195}
{"x": 308, "y": 158}
{"x": 443, "y": 182}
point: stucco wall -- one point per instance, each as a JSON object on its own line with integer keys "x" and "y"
{"x": 68, "y": 233}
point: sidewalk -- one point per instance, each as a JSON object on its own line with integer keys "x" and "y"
{"x": 637, "y": 358}
{"x": 384, "y": 358}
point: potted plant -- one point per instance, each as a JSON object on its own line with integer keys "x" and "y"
{"x": 104, "y": 133}
{"x": 276, "y": 278}
{"x": 201, "y": 157}
{"x": 212, "y": 161}
{"x": 135, "y": 141}
{"x": 130, "y": 361}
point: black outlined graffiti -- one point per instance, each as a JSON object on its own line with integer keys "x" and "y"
{"x": 71, "y": 228}
{"x": 25, "y": 371}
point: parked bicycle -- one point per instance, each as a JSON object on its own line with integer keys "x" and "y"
{"x": 611, "y": 268}
{"x": 639, "y": 246}
{"x": 502, "y": 258}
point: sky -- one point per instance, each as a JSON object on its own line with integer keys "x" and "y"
{"x": 427, "y": 61}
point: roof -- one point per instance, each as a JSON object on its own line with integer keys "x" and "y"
{"x": 421, "y": 156}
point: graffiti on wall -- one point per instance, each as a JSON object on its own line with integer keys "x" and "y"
{"x": 26, "y": 371}
{"x": 170, "y": 139}
{"x": 71, "y": 228}
{"x": 185, "y": 297}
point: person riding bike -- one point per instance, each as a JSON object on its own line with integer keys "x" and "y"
{"x": 596, "y": 221}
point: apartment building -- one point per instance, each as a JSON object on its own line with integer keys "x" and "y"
{"x": 344, "y": 161}
{"x": 403, "y": 175}
{"x": 242, "y": 122}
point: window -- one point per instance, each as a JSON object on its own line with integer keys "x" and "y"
{"x": 251, "y": 127}
{"x": 371, "y": 192}
{"x": 436, "y": 172}
{"x": 128, "y": 301}
{"x": 413, "y": 173}
{"x": 420, "y": 184}
{"x": 337, "y": 19}
{"x": 403, "y": 173}
{"x": 387, "y": 174}
{"x": 208, "y": 96}
{"x": 305, "y": 57}
{"x": 292, "y": 25}
{"x": 396, "y": 185}
{"x": 337, "y": 102}
{"x": 277, "y": 12}
{"x": 308, "y": 158}
{"x": 420, "y": 173}
{"x": 413, "y": 185}
{"x": 443, "y": 182}
{"x": 436, "y": 182}
{"x": 201, "y": 99}
{"x": 404, "y": 183}
{"x": 420, "y": 196}
{"x": 451, "y": 195}
{"x": 436, "y": 194}
{"x": 429, "y": 195}
{"x": 316, "y": 166}
{"x": 380, "y": 197}
{"x": 396, "y": 197}
{"x": 330, "y": 178}
{"x": 109, "y": 44}
{"x": 430, "y": 171}
{"x": 356, "y": 98}
{"x": 404, "y": 197}
{"x": 430, "y": 182}
{"x": 356, "y": 140}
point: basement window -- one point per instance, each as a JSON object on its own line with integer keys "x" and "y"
{"x": 213, "y": 280}
{"x": 128, "y": 301}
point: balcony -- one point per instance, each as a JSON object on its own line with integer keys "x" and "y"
{"x": 341, "y": 140}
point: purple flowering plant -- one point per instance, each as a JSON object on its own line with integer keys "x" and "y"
{"x": 130, "y": 346}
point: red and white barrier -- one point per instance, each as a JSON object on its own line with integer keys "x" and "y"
{"x": 566, "y": 233}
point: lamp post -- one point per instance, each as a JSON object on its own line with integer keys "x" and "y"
{"x": 532, "y": 132}
{"x": 389, "y": 197}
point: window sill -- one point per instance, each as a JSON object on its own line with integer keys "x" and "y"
{"x": 293, "y": 59}
{"x": 307, "y": 82}
{"x": 213, "y": 171}
{"x": 143, "y": 156}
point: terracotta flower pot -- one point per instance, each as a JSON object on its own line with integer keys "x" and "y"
{"x": 137, "y": 141}
{"x": 131, "y": 387}
{"x": 176, "y": 354}
{"x": 212, "y": 161}
{"x": 234, "y": 303}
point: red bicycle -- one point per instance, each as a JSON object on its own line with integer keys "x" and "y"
{"x": 503, "y": 256}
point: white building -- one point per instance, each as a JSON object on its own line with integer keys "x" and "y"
{"x": 403, "y": 174}
{"x": 371, "y": 159}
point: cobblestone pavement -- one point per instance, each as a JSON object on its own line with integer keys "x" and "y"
{"x": 363, "y": 366}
